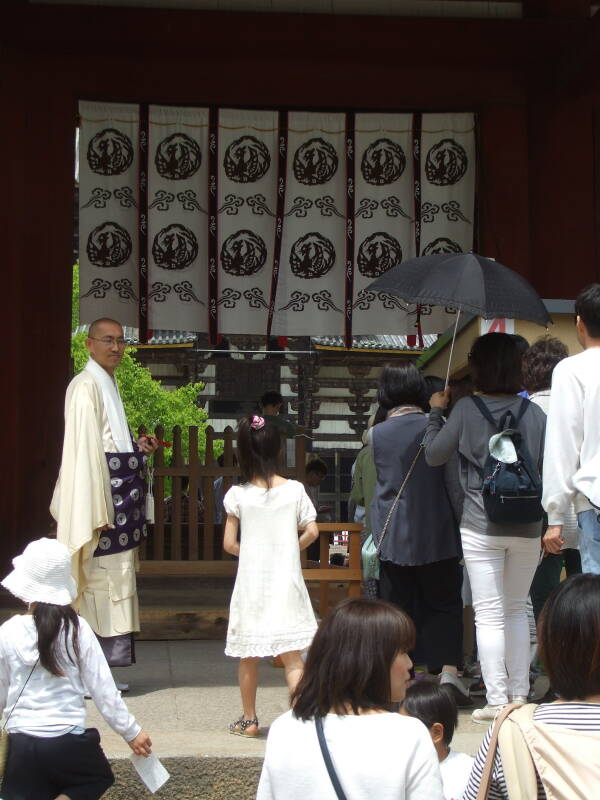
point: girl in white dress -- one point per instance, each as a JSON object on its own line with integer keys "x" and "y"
{"x": 270, "y": 613}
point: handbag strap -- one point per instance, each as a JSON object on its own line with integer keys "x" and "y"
{"x": 398, "y": 496}
{"x": 488, "y": 767}
{"x": 20, "y": 693}
{"x": 327, "y": 759}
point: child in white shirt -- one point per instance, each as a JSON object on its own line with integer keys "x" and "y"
{"x": 436, "y": 708}
{"x": 49, "y": 659}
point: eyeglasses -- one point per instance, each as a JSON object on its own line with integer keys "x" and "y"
{"x": 109, "y": 341}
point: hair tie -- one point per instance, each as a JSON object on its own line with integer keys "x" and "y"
{"x": 257, "y": 422}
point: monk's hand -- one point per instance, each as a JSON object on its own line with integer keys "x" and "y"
{"x": 141, "y": 745}
{"x": 147, "y": 444}
{"x": 553, "y": 540}
{"x": 440, "y": 399}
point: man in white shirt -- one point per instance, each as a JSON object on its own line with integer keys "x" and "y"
{"x": 572, "y": 452}
{"x": 98, "y": 501}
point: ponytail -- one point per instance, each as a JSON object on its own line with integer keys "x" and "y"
{"x": 49, "y": 618}
{"x": 258, "y": 450}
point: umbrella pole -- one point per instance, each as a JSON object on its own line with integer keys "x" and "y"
{"x": 452, "y": 345}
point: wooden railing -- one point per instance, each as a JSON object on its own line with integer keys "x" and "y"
{"x": 325, "y": 574}
{"x": 190, "y": 542}
{"x": 191, "y": 535}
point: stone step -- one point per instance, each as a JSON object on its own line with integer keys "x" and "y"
{"x": 208, "y": 778}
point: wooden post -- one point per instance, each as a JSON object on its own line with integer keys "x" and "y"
{"x": 208, "y": 492}
{"x": 193, "y": 492}
{"x": 176, "y": 510}
{"x": 158, "y": 545}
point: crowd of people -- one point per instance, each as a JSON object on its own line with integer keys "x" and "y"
{"x": 501, "y": 480}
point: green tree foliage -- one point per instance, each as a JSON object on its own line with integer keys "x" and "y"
{"x": 146, "y": 402}
{"x": 75, "y": 299}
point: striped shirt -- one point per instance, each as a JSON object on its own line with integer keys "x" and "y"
{"x": 576, "y": 716}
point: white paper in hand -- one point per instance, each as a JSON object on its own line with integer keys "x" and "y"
{"x": 150, "y": 770}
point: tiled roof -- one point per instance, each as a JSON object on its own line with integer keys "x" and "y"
{"x": 374, "y": 342}
{"x": 159, "y": 336}
{"x": 162, "y": 336}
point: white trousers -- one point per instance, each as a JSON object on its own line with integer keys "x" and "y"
{"x": 501, "y": 569}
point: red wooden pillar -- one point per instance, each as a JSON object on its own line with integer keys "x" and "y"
{"x": 503, "y": 187}
{"x": 37, "y": 268}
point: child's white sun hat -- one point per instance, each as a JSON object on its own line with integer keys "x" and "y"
{"x": 42, "y": 574}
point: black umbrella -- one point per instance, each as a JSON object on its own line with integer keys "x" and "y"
{"x": 468, "y": 282}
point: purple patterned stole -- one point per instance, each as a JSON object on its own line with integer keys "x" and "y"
{"x": 128, "y": 489}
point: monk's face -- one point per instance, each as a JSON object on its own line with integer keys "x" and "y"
{"x": 107, "y": 345}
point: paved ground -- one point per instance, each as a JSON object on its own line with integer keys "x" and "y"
{"x": 185, "y": 693}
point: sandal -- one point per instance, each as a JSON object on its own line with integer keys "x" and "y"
{"x": 238, "y": 728}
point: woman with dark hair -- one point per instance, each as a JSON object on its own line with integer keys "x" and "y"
{"x": 501, "y": 559}
{"x": 416, "y": 529}
{"x": 357, "y": 669}
{"x": 49, "y": 659}
{"x": 569, "y": 641}
{"x": 538, "y": 365}
{"x": 270, "y": 612}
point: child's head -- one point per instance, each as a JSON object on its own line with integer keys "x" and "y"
{"x": 316, "y": 470}
{"x": 42, "y": 578}
{"x": 271, "y": 403}
{"x": 258, "y": 449}
{"x": 436, "y": 708}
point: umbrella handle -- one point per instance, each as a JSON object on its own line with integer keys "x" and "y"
{"x": 458, "y": 310}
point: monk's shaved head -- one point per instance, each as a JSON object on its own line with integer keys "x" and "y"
{"x": 105, "y": 343}
{"x": 98, "y": 323}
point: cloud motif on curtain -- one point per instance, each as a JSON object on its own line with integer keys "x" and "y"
{"x": 248, "y": 221}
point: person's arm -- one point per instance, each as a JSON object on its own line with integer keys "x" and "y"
{"x": 441, "y": 438}
{"x": 230, "y": 542}
{"x": 564, "y": 437}
{"x": 83, "y": 473}
{"x": 357, "y": 492}
{"x": 454, "y": 490}
{"x": 497, "y": 789}
{"x": 309, "y": 534}
{"x": 4, "y": 679}
{"x": 306, "y": 516}
{"x": 100, "y": 683}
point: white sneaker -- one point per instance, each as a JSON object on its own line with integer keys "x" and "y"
{"x": 486, "y": 714}
{"x": 457, "y": 688}
{"x": 519, "y": 698}
{"x": 123, "y": 687}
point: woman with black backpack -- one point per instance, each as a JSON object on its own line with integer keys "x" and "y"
{"x": 502, "y": 515}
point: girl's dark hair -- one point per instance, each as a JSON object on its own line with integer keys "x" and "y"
{"x": 401, "y": 385}
{"x": 432, "y": 703}
{"x": 495, "y": 364}
{"x": 259, "y": 451}
{"x": 569, "y": 637}
{"x": 539, "y": 362}
{"x": 349, "y": 661}
{"x": 49, "y": 620}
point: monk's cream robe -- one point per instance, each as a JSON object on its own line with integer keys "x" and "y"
{"x": 82, "y": 505}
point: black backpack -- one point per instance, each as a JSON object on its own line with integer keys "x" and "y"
{"x": 512, "y": 493}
